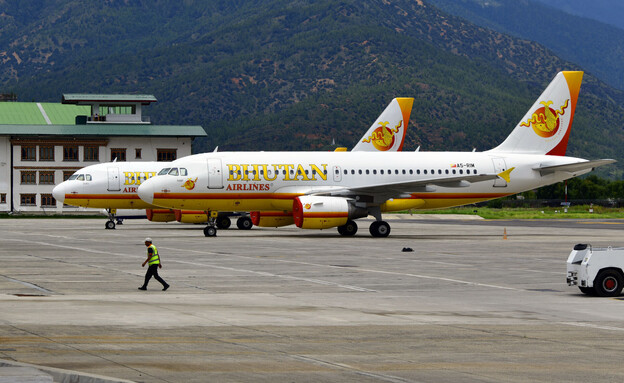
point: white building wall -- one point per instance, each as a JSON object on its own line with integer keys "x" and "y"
{"x": 148, "y": 146}
{"x": 5, "y": 174}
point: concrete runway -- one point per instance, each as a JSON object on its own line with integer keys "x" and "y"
{"x": 287, "y": 305}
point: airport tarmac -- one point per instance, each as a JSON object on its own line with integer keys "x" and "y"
{"x": 287, "y": 305}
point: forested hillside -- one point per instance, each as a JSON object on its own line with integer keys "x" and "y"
{"x": 594, "y": 45}
{"x": 276, "y": 74}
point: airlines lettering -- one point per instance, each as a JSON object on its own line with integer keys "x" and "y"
{"x": 136, "y": 178}
{"x": 286, "y": 172}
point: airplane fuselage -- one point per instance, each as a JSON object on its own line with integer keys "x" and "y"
{"x": 265, "y": 181}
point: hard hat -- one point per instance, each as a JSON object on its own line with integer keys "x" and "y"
{"x": 148, "y": 239}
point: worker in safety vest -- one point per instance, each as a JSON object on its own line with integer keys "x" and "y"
{"x": 154, "y": 264}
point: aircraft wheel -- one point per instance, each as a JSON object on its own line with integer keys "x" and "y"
{"x": 210, "y": 231}
{"x": 380, "y": 229}
{"x": 110, "y": 225}
{"x": 608, "y": 283}
{"x": 244, "y": 223}
{"x": 348, "y": 229}
{"x": 223, "y": 222}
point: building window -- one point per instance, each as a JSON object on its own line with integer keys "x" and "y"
{"x": 46, "y": 178}
{"x": 47, "y": 200}
{"x": 28, "y": 199}
{"x": 70, "y": 153}
{"x": 29, "y": 153}
{"x": 28, "y": 177}
{"x": 67, "y": 174}
{"x": 46, "y": 153}
{"x": 137, "y": 153}
{"x": 119, "y": 154}
{"x": 91, "y": 153}
{"x": 3, "y": 198}
{"x": 166, "y": 154}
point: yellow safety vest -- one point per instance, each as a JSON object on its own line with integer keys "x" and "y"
{"x": 155, "y": 259}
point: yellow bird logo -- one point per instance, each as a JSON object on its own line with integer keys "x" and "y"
{"x": 189, "y": 184}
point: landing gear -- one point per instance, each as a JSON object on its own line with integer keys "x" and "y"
{"x": 379, "y": 229}
{"x": 210, "y": 231}
{"x": 348, "y": 229}
{"x": 244, "y": 223}
{"x": 223, "y": 222}
{"x": 110, "y": 224}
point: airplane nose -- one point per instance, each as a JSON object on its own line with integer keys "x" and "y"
{"x": 59, "y": 192}
{"x": 146, "y": 191}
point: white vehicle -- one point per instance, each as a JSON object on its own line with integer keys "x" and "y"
{"x": 596, "y": 271}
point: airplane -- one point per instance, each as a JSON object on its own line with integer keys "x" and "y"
{"x": 113, "y": 185}
{"x": 320, "y": 190}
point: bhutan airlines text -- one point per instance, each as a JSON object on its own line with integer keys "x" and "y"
{"x": 265, "y": 172}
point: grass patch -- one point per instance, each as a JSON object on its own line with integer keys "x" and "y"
{"x": 574, "y": 212}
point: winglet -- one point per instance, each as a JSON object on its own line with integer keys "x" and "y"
{"x": 505, "y": 175}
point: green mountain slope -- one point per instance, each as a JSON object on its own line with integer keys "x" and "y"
{"x": 280, "y": 75}
{"x": 595, "y": 46}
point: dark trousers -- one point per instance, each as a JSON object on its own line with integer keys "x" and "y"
{"x": 152, "y": 270}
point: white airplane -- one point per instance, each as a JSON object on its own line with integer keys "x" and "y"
{"x": 319, "y": 190}
{"x": 113, "y": 186}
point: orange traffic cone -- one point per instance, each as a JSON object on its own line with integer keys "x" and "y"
{"x": 505, "y": 233}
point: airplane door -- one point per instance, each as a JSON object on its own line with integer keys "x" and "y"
{"x": 113, "y": 179}
{"x": 337, "y": 174}
{"x": 215, "y": 175}
{"x": 499, "y": 166}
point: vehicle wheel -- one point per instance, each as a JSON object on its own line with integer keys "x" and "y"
{"x": 608, "y": 283}
{"x": 380, "y": 229}
{"x": 223, "y": 222}
{"x": 210, "y": 231}
{"x": 110, "y": 225}
{"x": 244, "y": 223}
{"x": 588, "y": 290}
{"x": 348, "y": 229}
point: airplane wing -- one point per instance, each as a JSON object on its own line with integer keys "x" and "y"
{"x": 583, "y": 166}
{"x": 381, "y": 192}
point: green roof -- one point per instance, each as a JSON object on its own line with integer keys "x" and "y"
{"x": 96, "y": 130}
{"x": 30, "y": 113}
{"x": 82, "y": 98}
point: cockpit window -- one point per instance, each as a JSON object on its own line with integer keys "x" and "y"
{"x": 72, "y": 177}
{"x": 88, "y": 177}
{"x": 164, "y": 171}
{"x": 173, "y": 172}
{"x": 80, "y": 177}
{"x": 183, "y": 172}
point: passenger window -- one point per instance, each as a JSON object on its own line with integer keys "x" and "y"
{"x": 164, "y": 171}
{"x": 183, "y": 172}
{"x": 374, "y": 171}
{"x": 367, "y": 171}
{"x": 446, "y": 171}
{"x": 461, "y": 171}
{"x": 173, "y": 172}
{"x": 403, "y": 171}
{"x": 425, "y": 171}
{"x": 411, "y": 171}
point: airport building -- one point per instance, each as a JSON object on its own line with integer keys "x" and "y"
{"x": 42, "y": 144}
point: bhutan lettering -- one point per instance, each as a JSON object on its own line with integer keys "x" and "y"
{"x": 248, "y": 187}
{"x": 136, "y": 178}
{"x": 271, "y": 172}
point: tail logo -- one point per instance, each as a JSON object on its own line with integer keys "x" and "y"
{"x": 383, "y": 137}
{"x": 189, "y": 184}
{"x": 545, "y": 120}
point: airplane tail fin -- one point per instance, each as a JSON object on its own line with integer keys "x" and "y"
{"x": 388, "y": 132}
{"x": 545, "y": 128}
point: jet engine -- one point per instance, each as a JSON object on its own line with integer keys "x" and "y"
{"x": 191, "y": 216}
{"x": 271, "y": 218}
{"x": 320, "y": 212}
{"x": 160, "y": 215}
